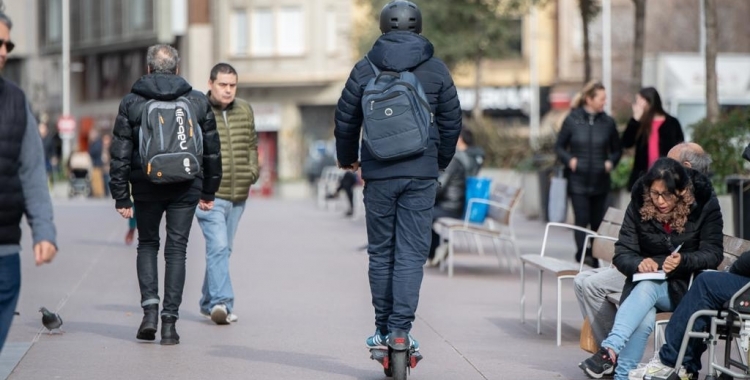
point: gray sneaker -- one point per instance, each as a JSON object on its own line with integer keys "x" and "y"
{"x": 232, "y": 318}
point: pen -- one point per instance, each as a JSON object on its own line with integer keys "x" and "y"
{"x": 677, "y": 250}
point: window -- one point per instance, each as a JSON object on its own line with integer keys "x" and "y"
{"x": 141, "y": 15}
{"x": 291, "y": 36}
{"x": 239, "y": 28}
{"x": 54, "y": 20}
{"x": 262, "y": 34}
{"x": 91, "y": 28}
{"x": 330, "y": 32}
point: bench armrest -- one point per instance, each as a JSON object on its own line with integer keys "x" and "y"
{"x": 488, "y": 202}
{"x": 562, "y": 225}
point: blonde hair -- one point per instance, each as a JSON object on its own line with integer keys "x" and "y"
{"x": 588, "y": 91}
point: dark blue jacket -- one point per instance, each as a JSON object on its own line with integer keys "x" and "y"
{"x": 400, "y": 51}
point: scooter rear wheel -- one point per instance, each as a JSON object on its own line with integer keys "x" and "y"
{"x": 399, "y": 364}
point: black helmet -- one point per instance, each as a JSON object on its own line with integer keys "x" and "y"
{"x": 401, "y": 15}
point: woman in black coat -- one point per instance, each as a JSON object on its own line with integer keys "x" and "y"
{"x": 652, "y": 132}
{"x": 673, "y": 224}
{"x": 589, "y": 147}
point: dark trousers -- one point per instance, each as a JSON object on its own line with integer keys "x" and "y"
{"x": 399, "y": 221}
{"x": 180, "y": 211}
{"x": 347, "y": 183}
{"x": 588, "y": 211}
{"x": 10, "y": 287}
{"x": 710, "y": 290}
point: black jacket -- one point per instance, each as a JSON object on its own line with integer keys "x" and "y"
{"x": 125, "y": 161}
{"x": 451, "y": 193}
{"x": 593, "y": 139}
{"x": 703, "y": 239}
{"x": 670, "y": 134}
{"x": 400, "y": 51}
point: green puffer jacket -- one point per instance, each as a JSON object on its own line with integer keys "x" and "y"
{"x": 239, "y": 149}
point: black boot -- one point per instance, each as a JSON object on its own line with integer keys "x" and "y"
{"x": 147, "y": 330}
{"x": 168, "y": 331}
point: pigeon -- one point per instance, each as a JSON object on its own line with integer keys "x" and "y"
{"x": 50, "y": 320}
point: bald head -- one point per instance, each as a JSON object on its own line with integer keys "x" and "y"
{"x": 691, "y": 155}
{"x": 162, "y": 59}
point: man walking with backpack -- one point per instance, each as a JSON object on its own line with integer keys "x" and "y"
{"x": 239, "y": 150}
{"x": 405, "y": 100}
{"x": 165, "y": 145}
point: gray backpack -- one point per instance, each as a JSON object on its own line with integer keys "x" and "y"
{"x": 397, "y": 115}
{"x": 171, "y": 141}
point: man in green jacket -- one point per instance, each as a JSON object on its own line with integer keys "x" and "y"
{"x": 239, "y": 161}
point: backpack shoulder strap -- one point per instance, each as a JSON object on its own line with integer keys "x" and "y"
{"x": 372, "y": 65}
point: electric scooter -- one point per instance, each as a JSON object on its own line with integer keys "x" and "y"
{"x": 398, "y": 358}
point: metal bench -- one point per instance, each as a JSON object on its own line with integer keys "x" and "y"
{"x": 498, "y": 224}
{"x": 602, "y": 248}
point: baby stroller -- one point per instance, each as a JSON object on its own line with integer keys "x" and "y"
{"x": 79, "y": 178}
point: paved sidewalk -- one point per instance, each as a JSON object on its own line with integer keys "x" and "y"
{"x": 303, "y": 300}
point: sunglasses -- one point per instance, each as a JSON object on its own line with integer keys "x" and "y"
{"x": 8, "y": 45}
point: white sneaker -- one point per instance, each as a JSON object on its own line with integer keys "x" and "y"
{"x": 440, "y": 252}
{"x": 219, "y": 314}
{"x": 656, "y": 369}
{"x": 232, "y": 317}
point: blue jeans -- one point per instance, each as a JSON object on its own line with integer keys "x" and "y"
{"x": 634, "y": 323}
{"x": 219, "y": 226}
{"x": 710, "y": 291}
{"x": 399, "y": 225}
{"x": 10, "y": 287}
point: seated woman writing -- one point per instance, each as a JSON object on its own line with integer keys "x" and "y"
{"x": 670, "y": 207}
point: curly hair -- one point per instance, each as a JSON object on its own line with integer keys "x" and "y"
{"x": 678, "y": 183}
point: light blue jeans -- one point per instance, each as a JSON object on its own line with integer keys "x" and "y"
{"x": 634, "y": 323}
{"x": 219, "y": 226}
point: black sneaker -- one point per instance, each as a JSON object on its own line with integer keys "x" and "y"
{"x": 598, "y": 365}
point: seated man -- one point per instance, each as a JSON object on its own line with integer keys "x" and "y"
{"x": 593, "y": 286}
{"x": 710, "y": 290}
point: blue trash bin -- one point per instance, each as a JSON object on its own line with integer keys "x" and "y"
{"x": 477, "y": 187}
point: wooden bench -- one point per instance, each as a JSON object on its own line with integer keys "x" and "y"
{"x": 733, "y": 248}
{"x": 498, "y": 225}
{"x": 602, "y": 248}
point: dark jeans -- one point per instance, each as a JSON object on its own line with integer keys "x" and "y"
{"x": 10, "y": 287}
{"x": 180, "y": 211}
{"x": 588, "y": 210}
{"x": 399, "y": 218}
{"x": 710, "y": 290}
{"x": 439, "y": 212}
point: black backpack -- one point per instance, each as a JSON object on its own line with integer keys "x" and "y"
{"x": 171, "y": 141}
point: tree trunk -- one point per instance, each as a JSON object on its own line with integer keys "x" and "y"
{"x": 476, "y": 111}
{"x": 712, "y": 37}
{"x": 586, "y": 48}
{"x": 640, "y": 18}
